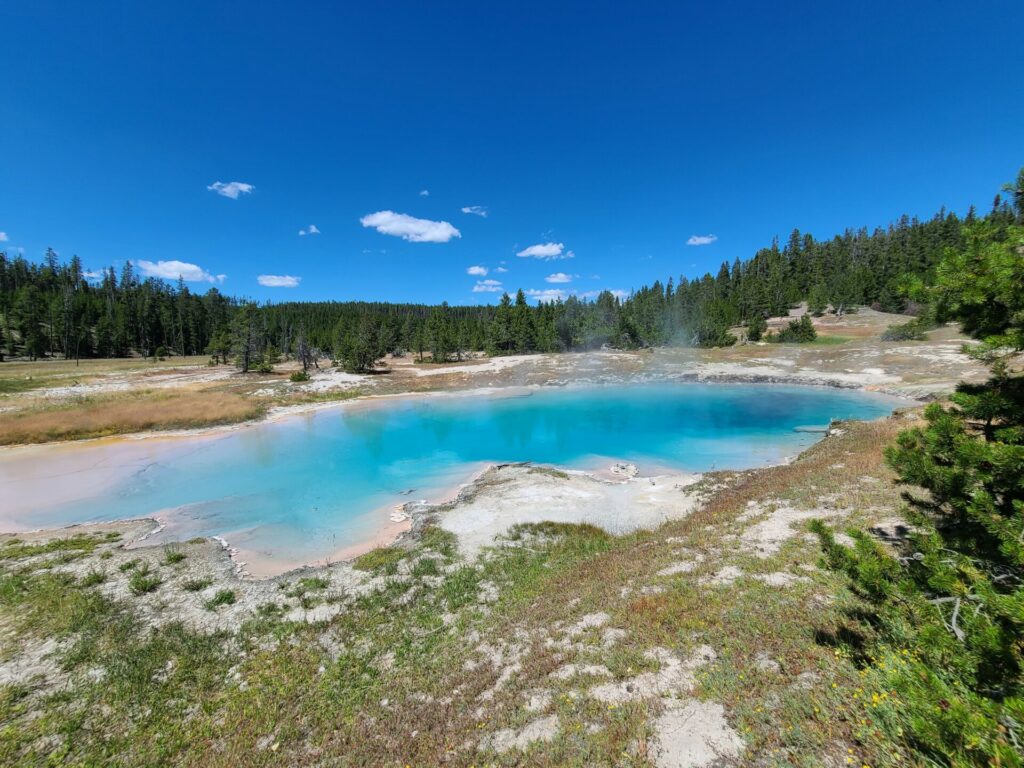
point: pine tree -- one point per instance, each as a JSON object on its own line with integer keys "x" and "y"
{"x": 756, "y": 328}
{"x": 523, "y": 338}
{"x": 501, "y": 339}
{"x": 245, "y": 340}
{"x": 439, "y": 331}
{"x": 817, "y": 300}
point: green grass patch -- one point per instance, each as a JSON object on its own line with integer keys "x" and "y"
{"x": 438, "y": 540}
{"x": 829, "y": 341}
{"x": 14, "y": 386}
{"x": 426, "y": 566}
{"x": 196, "y": 585}
{"x": 16, "y": 549}
{"x": 548, "y": 529}
{"x": 93, "y": 577}
{"x": 223, "y": 597}
{"x": 384, "y": 559}
{"x": 144, "y": 581}
{"x": 173, "y": 554}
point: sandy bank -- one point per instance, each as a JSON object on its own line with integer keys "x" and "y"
{"x": 513, "y": 494}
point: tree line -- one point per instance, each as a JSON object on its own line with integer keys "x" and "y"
{"x": 53, "y": 309}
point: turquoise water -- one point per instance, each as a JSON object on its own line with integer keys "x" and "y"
{"x": 301, "y": 488}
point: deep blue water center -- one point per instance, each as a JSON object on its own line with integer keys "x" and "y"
{"x": 303, "y": 487}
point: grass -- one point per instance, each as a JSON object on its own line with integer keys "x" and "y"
{"x": 15, "y": 549}
{"x": 93, "y": 578}
{"x": 105, "y": 415}
{"x": 196, "y": 585}
{"x": 143, "y": 580}
{"x": 173, "y": 554}
{"x": 823, "y": 340}
{"x": 384, "y": 559}
{"x": 223, "y": 597}
{"x": 14, "y": 386}
{"x": 309, "y": 398}
{"x": 302, "y": 589}
{"x": 88, "y": 367}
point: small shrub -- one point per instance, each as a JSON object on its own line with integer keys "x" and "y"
{"x": 913, "y": 331}
{"x": 756, "y": 328}
{"x": 299, "y": 376}
{"x": 144, "y": 581}
{"x": 223, "y": 597}
{"x": 797, "y": 332}
{"x": 196, "y": 585}
{"x": 173, "y": 555}
{"x": 713, "y": 334}
{"x": 94, "y": 577}
{"x": 130, "y": 565}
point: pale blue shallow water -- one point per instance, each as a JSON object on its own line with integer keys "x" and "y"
{"x": 301, "y": 488}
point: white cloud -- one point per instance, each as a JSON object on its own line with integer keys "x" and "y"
{"x": 410, "y": 228}
{"x": 617, "y": 293}
{"x": 546, "y": 251}
{"x": 558, "y": 277}
{"x": 232, "y": 189}
{"x": 93, "y": 274}
{"x": 311, "y": 230}
{"x": 3, "y": 237}
{"x": 477, "y": 270}
{"x": 173, "y": 269}
{"x": 487, "y": 286}
{"x": 476, "y": 210}
{"x": 555, "y": 294}
{"x": 278, "y": 281}
{"x": 548, "y": 294}
{"x": 424, "y": 193}
{"x": 500, "y": 269}
{"x": 701, "y": 239}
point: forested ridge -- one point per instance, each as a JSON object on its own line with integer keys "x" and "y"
{"x": 53, "y": 309}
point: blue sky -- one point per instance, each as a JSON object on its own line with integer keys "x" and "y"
{"x": 614, "y": 133}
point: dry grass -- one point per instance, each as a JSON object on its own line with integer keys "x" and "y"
{"x": 25, "y": 368}
{"x": 102, "y": 416}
